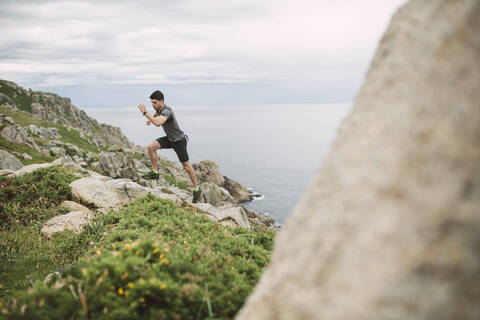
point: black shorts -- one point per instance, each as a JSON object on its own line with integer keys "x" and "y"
{"x": 180, "y": 147}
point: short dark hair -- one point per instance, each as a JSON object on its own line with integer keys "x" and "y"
{"x": 157, "y": 95}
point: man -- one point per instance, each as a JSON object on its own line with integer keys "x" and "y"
{"x": 175, "y": 139}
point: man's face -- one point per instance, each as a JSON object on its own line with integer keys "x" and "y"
{"x": 155, "y": 104}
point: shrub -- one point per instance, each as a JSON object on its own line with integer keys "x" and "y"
{"x": 34, "y": 196}
{"x": 157, "y": 261}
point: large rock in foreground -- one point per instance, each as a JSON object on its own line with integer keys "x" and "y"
{"x": 390, "y": 226}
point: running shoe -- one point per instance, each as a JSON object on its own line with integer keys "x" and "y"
{"x": 196, "y": 195}
{"x": 151, "y": 175}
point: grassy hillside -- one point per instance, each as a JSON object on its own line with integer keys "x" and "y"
{"x": 152, "y": 259}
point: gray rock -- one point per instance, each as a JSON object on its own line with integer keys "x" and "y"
{"x": 26, "y": 156}
{"x": 5, "y": 100}
{"x": 215, "y": 195}
{"x": 9, "y": 161}
{"x": 233, "y": 216}
{"x": 96, "y": 193}
{"x": 6, "y": 172}
{"x": 31, "y": 168}
{"x": 389, "y": 227}
{"x": 46, "y": 133}
{"x": 8, "y": 120}
{"x": 207, "y": 171}
{"x": 17, "y": 134}
{"x": 118, "y": 165}
{"x": 74, "y": 220}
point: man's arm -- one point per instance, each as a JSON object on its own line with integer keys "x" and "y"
{"x": 157, "y": 121}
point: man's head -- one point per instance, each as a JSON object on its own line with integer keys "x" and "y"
{"x": 157, "y": 99}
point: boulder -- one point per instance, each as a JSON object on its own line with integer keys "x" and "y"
{"x": 118, "y": 165}
{"x": 233, "y": 216}
{"x": 215, "y": 195}
{"x": 5, "y": 100}
{"x": 239, "y": 192}
{"x": 74, "y": 220}
{"x": 17, "y": 134}
{"x": 207, "y": 171}
{"x": 9, "y": 161}
{"x": 31, "y": 168}
{"x": 47, "y": 133}
{"x": 389, "y": 227}
{"x": 6, "y": 119}
{"x": 96, "y": 193}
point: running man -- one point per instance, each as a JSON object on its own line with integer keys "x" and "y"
{"x": 175, "y": 139}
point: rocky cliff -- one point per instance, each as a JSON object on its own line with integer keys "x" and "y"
{"x": 390, "y": 226}
{"x": 49, "y": 106}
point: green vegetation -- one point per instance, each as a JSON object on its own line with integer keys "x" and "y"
{"x": 25, "y": 256}
{"x": 22, "y": 98}
{"x": 34, "y": 196}
{"x": 152, "y": 259}
{"x": 179, "y": 184}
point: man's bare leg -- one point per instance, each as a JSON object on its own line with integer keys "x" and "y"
{"x": 191, "y": 172}
{"x": 152, "y": 154}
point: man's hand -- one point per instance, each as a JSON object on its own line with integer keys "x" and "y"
{"x": 142, "y": 107}
{"x": 148, "y": 122}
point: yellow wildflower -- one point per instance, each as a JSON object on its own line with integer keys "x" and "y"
{"x": 99, "y": 252}
{"x": 84, "y": 272}
{"x": 4, "y": 311}
{"x": 155, "y": 251}
{"x": 138, "y": 252}
{"x": 130, "y": 285}
{"x": 161, "y": 256}
{"x": 163, "y": 286}
{"x": 165, "y": 261}
{"x": 142, "y": 299}
{"x": 40, "y": 303}
{"x": 124, "y": 275}
{"x": 127, "y": 247}
{"x": 120, "y": 291}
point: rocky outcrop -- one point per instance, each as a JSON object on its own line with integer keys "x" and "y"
{"x": 31, "y": 168}
{"x": 118, "y": 165}
{"x": 389, "y": 227}
{"x": 17, "y": 134}
{"x": 215, "y": 195}
{"x": 47, "y": 133}
{"x": 74, "y": 220}
{"x": 49, "y": 106}
{"x": 9, "y": 161}
{"x": 5, "y": 100}
{"x": 207, "y": 171}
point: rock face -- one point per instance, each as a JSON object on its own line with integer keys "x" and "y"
{"x": 49, "y": 106}
{"x": 118, "y": 165}
{"x": 9, "y": 161}
{"x": 389, "y": 227}
{"x": 17, "y": 134}
{"x": 207, "y": 171}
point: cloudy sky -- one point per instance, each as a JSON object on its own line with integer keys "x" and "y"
{"x": 197, "y": 52}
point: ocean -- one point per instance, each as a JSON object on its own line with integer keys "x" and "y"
{"x": 272, "y": 149}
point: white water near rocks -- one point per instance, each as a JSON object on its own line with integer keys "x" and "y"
{"x": 272, "y": 149}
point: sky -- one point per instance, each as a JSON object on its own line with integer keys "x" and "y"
{"x": 197, "y": 52}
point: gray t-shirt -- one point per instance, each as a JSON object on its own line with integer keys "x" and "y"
{"x": 171, "y": 128}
